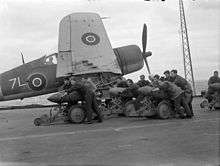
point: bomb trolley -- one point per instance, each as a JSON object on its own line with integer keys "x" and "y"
{"x": 62, "y": 113}
{"x": 150, "y": 104}
{"x": 71, "y": 109}
{"x": 72, "y": 112}
{"x": 214, "y": 97}
{"x": 110, "y": 103}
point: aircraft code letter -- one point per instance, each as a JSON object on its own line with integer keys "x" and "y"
{"x": 18, "y": 80}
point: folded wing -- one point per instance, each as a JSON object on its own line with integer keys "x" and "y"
{"x": 84, "y": 46}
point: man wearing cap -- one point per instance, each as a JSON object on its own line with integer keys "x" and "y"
{"x": 153, "y": 80}
{"x": 213, "y": 79}
{"x": 130, "y": 92}
{"x": 66, "y": 85}
{"x": 179, "y": 81}
{"x": 142, "y": 82}
{"x": 167, "y": 76}
{"x": 71, "y": 97}
{"x": 185, "y": 86}
{"x": 88, "y": 96}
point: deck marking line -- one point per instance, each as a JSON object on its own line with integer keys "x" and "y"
{"x": 217, "y": 134}
{"x": 55, "y": 134}
{"x": 161, "y": 124}
{"x": 105, "y": 129}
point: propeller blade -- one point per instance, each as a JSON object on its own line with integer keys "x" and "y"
{"x": 144, "y": 38}
{"x": 148, "y": 68}
{"x": 144, "y": 45}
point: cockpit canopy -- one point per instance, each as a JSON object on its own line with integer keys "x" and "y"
{"x": 51, "y": 59}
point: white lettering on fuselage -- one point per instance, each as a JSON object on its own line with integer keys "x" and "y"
{"x": 13, "y": 84}
{"x": 18, "y": 81}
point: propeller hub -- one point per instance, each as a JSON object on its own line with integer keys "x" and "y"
{"x": 147, "y": 54}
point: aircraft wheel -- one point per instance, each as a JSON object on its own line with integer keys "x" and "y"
{"x": 164, "y": 110}
{"x": 76, "y": 114}
{"x": 102, "y": 107}
{"x": 37, "y": 121}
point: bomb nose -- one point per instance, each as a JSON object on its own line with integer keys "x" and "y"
{"x": 56, "y": 98}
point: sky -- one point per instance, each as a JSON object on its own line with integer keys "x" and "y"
{"x": 31, "y": 27}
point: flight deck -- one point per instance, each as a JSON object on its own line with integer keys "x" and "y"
{"x": 116, "y": 141}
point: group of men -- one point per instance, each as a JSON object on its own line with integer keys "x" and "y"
{"x": 173, "y": 86}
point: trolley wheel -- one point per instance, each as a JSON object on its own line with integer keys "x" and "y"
{"x": 76, "y": 114}
{"x": 204, "y": 103}
{"x": 37, "y": 121}
{"x": 164, "y": 110}
{"x": 129, "y": 108}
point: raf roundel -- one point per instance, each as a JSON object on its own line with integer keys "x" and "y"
{"x": 37, "y": 82}
{"x": 90, "y": 38}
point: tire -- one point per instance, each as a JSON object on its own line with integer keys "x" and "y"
{"x": 204, "y": 103}
{"x": 37, "y": 121}
{"x": 129, "y": 108}
{"x": 164, "y": 110}
{"x": 76, "y": 114}
{"x": 217, "y": 105}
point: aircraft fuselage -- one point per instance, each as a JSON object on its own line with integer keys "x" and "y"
{"x": 31, "y": 79}
{"x": 38, "y": 77}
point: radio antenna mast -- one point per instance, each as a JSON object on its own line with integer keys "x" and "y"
{"x": 188, "y": 70}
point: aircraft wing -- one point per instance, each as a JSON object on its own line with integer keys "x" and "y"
{"x": 84, "y": 46}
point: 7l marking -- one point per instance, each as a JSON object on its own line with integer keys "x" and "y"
{"x": 14, "y": 80}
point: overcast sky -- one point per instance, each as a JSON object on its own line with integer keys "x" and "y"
{"x": 31, "y": 26}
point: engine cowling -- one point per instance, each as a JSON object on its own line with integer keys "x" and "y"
{"x": 129, "y": 58}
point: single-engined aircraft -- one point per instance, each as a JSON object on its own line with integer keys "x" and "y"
{"x": 83, "y": 50}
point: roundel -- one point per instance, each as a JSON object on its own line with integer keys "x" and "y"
{"x": 90, "y": 38}
{"x": 37, "y": 82}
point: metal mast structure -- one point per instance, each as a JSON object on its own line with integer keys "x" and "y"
{"x": 188, "y": 70}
